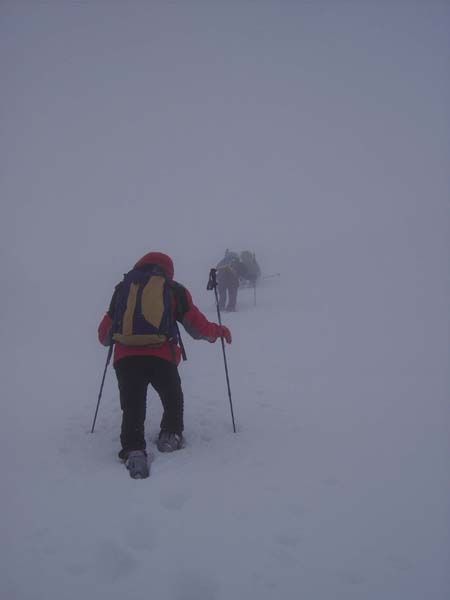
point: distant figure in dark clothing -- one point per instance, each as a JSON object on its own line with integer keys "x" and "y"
{"x": 250, "y": 266}
{"x": 229, "y": 270}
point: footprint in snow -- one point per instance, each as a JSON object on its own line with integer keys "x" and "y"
{"x": 112, "y": 562}
{"x": 109, "y": 561}
{"x": 297, "y": 510}
{"x": 400, "y": 563}
{"x": 331, "y": 481}
{"x": 288, "y": 539}
{"x": 351, "y": 577}
{"x": 173, "y": 499}
{"x": 195, "y": 586}
{"x": 141, "y": 534}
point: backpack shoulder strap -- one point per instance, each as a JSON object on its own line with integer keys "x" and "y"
{"x": 112, "y": 305}
{"x": 181, "y": 308}
{"x": 181, "y": 302}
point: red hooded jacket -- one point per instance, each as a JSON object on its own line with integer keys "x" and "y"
{"x": 192, "y": 319}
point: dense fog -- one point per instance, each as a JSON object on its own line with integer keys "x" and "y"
{"x": 315, "y": 134}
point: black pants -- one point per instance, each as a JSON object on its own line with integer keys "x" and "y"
{"x": 134, "y": 373}
{"x": 227, "y": 282}
{"x": 232, "y": 297}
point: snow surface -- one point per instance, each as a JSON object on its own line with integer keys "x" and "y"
{"x": 335, "y": 485}
{"x": 316, "y": 135}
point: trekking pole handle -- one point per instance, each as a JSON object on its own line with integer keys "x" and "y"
{"x": 212, "y": 280}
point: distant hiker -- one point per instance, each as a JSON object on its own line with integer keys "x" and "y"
{"x": 251, "y": 267}
{"x": 229, "y": 270}
{"x": 142, "y": 323}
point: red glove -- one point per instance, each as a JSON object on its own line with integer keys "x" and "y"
{"x": 224, "y": 332}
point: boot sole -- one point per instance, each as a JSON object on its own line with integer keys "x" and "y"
{"x": 166, "y": 448}
{"x": 141, "y": 471}
{"x": 142, "y": 474}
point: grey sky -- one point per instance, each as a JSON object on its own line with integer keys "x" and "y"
{"x": 315, "y": 133}
{"x": 193, "y": 126}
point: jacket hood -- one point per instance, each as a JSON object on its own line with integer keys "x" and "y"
{"x": 157, "y": 258}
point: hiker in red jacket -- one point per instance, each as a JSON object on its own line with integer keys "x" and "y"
{"x": 138, "y": 365}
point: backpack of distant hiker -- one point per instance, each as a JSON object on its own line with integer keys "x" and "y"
{"x": 143, "y": 309}
{"x": 251, "y": 267}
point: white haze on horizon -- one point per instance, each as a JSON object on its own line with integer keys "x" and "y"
{"x": 191, "y": 128}
{"x": 313, "y": 133}
{"x": 316, "y": 135}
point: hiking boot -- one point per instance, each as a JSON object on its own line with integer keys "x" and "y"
{"x": 137, "y": 464}
{"x": 169, "y": 442}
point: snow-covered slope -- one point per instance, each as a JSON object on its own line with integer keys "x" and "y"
{"x": 334, "y": 486}
{"x": 313, "y": 133}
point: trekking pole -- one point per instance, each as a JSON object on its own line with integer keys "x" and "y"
{"x": 212, "y": 285}
{"x": 256, "y": 277}
{"x": 108, "y": 358}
